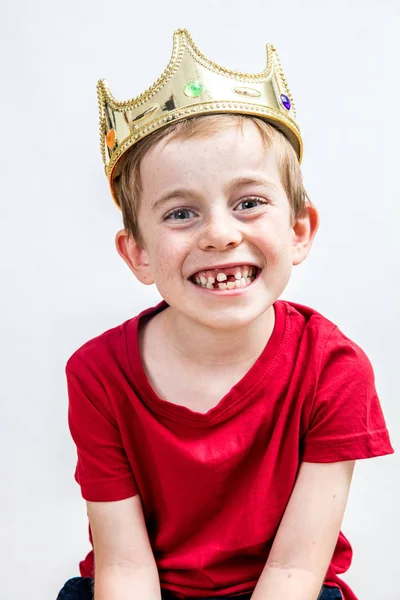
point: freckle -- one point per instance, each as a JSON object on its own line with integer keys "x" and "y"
{"x": 334, "y": 495}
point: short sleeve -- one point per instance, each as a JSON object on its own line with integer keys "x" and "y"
{"x": 103, "y": 470}
{"x": 346, "y": 420}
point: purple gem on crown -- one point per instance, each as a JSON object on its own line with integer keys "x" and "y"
{"x": 285, "y": 101}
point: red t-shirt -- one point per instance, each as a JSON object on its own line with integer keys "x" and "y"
{"x": 214, "y": 486}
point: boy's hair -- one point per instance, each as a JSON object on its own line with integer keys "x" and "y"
{"x": 127, "y": 185}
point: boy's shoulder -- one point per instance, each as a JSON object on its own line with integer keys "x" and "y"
{"x": 322, "y": 335}
{"x": 311, "y": 319}
{"x": 98, "y": 349}
{"x": 108, "y": 346}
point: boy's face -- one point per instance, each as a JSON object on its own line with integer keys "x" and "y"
{"x": 211, "y": 202}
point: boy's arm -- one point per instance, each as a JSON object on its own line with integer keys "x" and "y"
{"x": 307, "y": 536}
{"x": 125, "y": 568}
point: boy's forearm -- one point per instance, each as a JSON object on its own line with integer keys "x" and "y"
{"x": 279, "y": 583}
{"x": 127, "y": 583}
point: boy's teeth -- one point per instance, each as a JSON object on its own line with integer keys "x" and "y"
{"x": 226, "y": 273}
{"x": 229, "y": 285}
{"x": 228, "y": 280}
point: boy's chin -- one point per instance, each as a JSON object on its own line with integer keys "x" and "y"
{"x": 224, "y": 317}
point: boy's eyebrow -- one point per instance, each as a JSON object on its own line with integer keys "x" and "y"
{"x": 238, "y": 181}
{"x": 177, "y": 193}
{"x": 259, "y": 180}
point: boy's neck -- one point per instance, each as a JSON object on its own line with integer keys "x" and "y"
{"x": 208, "y": 348}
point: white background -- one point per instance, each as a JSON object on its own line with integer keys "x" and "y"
{"x": 62, "y": 281}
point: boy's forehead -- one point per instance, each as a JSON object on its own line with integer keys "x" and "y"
{"x": 207, "y": 159}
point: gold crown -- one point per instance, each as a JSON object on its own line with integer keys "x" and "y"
{"x": 190, "y": 86}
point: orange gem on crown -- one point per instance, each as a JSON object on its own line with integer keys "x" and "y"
{"x": 111, "y": 138}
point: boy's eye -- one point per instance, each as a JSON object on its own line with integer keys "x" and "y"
{"x": 179, "y": 214}
{"x": 183, "y": 214}
{"x": 251, "y": 202}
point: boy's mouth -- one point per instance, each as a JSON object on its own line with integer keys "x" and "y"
{"x": 227, "y": 278}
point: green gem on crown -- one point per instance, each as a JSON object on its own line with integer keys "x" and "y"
{"x": 194, "y": 89}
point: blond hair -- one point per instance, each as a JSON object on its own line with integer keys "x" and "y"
{"x": 128, "y": 186}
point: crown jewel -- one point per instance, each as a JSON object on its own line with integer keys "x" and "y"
{"x": 190, "y": 86}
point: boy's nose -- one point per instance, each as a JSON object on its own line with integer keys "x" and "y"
{"x": 220, "y": 233}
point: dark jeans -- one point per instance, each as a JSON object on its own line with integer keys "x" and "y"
{"x": 81, "y": 588}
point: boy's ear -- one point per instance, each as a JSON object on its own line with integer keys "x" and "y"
{"x": 304, "y": 231}
{"x": 135, "y": 256}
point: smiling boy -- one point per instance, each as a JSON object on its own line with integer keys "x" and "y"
{"x": 216, "y": 432}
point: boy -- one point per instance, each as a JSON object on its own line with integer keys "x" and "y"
{"x": 216, "y": 432}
